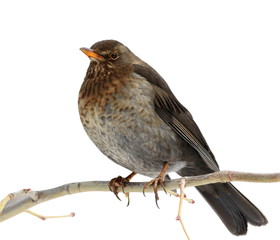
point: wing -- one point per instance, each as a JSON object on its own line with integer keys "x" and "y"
{"x": 176, "y": 115}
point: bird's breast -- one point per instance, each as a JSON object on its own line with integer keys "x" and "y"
{"x": 125, "y": 127}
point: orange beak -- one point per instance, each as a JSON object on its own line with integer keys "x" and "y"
{"x": 90, "y": 53}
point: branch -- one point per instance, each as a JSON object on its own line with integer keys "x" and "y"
{"x": 21, "y": 201}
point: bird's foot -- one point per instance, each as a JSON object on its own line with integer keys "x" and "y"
{"x": 116, "y": 183}
{"x": 120, "y": 182}
{"x": 156, "y": 182}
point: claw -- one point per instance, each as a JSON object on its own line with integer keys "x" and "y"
{"x": 162, "y": 185}
{"x": 144, "y": 191}
{"x": 128, "y": 198}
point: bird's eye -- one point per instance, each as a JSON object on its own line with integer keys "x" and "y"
{"x": 114, "y": 56}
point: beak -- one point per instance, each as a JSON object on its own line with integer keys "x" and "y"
{"x": 90, "y": 53}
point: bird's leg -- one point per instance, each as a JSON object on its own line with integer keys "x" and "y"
{"x": 119, "y": 181}
{"x": 158, "y": 181}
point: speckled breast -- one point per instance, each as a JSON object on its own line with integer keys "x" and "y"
{"x": 129, "y": 132}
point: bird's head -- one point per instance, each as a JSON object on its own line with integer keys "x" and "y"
{"x": 109, "y": 53}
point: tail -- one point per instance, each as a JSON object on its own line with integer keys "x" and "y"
{"x": 234, "y": 209}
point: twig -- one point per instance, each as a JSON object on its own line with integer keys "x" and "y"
{"x": 178, "y": 195}
{"x": 42, "y": 217}
{"x": 33, "y": 195}
{"x": 21, "y": 201}
{"x": 179, "y": 216}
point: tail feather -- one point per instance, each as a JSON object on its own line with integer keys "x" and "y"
{"x": 234, "y": 209}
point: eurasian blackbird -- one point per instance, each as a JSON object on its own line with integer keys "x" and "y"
{"x": 132, "y": 116}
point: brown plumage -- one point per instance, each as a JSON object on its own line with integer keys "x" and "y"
{"x": 132, "y": 116}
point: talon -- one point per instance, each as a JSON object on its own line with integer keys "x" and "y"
{"x": 128, "y": 198}
{"x": 116, "y": 194}
{"x": 162, "y": 185}
{"x": 144, "y": 189}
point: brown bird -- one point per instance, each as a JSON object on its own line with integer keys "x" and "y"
{"x": 130, "y": 113}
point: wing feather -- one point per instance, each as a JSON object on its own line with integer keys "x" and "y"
{"x": 176, "y": 115}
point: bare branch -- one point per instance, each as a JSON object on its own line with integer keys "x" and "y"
{"x": 21, "y": 201}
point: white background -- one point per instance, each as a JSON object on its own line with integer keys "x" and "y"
{"x": 221, "y": 59}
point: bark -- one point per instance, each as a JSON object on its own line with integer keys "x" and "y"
{"x": 22, "y": 200}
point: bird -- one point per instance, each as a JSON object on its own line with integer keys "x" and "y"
{"x": 129, "y": 112}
